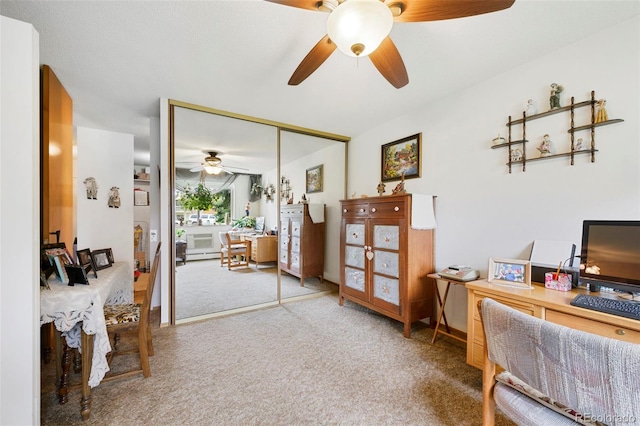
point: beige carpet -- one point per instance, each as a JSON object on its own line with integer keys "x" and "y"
{"x": 204, "y": 287}
{"x": 308, "y": 362}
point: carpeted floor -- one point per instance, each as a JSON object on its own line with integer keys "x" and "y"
{"x": 309, "y": 362}
{"x": 204, "y": 287}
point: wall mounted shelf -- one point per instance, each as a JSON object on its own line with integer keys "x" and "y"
{"x": 572, "y": 130}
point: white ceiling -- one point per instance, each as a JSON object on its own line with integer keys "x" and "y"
{"x": 117, "y": 58}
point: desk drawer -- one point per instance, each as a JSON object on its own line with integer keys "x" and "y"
{"x": 591, "y": 326}
{"x": 395, "y": 209}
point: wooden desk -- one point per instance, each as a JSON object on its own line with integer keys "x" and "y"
{"x": 550, "y": 305}
{"x": 442, "y": 301}
{"x": 264, "y": 248}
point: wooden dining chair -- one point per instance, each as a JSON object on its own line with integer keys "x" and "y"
{"x": 234, "y": 252}
{"x": 133, "y": 317}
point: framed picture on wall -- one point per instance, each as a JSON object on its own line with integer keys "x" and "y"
{"x": 314, "y": 179}
{"x": 510, "y": 271}
{"x": 401, "y": 157}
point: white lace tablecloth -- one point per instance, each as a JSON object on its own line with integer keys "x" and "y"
{"x": 72, "y": 307}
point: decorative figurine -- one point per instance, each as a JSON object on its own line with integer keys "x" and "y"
{"x": 531, "y": 108}
{"x": 516, "y": 154}
{"x": 304, "y": 200}
{"x": 498, "y": 140}
{"x": 380, "y": 188}
{"x": 399, "y": 189}
{"x": 579, "y": 146}
{"x": 114, "y": 197}
{"x": 246, "y": 209}
{"x": 554, "y": 99}
{"x": 601, "y": 114}
{"x": 545, "y": 146}
{"x": 92, "y": 188}
{"x": 290, "y": 200}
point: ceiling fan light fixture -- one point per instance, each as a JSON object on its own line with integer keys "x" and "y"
{"x": 358, "y": 27}
{"x": 212, "y": 170}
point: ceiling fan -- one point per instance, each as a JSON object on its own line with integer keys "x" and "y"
{"x": 361, "y": 28}
{"x": 213, "y": 165}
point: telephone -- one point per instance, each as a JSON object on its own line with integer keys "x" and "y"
{"x": 459, "y": 273}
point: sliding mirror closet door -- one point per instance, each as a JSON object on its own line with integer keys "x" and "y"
{"x": 219, "y": 166}
{"x": 313, "y": 172}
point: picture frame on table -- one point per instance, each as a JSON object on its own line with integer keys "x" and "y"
{"x": 100, "y": 259}
{"x": 47, "y": 254}
{"x": 76, "y": 275}
{"x": 86, "y": 261}
{"x": 60, "y": 261}
{"x": 402, "y": 158}
{"x": 314, "y": 179}
{"x": 110, "y": 255}
{"x": 513, "y": 272}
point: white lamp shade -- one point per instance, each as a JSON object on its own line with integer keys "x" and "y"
{"x": 358, "y": 27}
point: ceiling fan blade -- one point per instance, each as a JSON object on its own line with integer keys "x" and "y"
{"x": 197, "y": 168}
{"x": 388, "y": 61}
{"x": 316, "y": 56}
{"x": 302, "y": 4}
{"x": 437, "y": 10}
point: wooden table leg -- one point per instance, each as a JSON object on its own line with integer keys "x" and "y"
{"x": 63, "y": 355}
{"x": 87, "y": 354}
{"x": 442, "y": 302}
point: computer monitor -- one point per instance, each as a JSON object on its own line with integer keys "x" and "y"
{"x": 610, "y": 254}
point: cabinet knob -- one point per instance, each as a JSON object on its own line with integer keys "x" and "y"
{"x": 361, "y": 210}
{"x": 373, "y": 210}
{"x": 620, "y": 332}
{"x": 396, "y": 209}
{"x": 344, "y": 210}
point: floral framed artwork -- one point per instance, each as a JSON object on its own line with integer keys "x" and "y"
{"x": 512, "y": 272}
{"x": 314, "y": 179}
{"x": 402, "y": 157}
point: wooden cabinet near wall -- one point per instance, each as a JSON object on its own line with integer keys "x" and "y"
{"x": 302, "y": 240}
{"x": 384, "y": 261}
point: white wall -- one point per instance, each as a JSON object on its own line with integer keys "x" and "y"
{"x": 482, "y": 210}
{"x": 19, "y": 223}
{"x": 108, "y": 157}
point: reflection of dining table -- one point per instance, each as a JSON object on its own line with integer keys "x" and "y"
{"x": 77, "y": 313}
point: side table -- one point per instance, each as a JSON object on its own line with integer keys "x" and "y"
{"x": 442, "y": 301}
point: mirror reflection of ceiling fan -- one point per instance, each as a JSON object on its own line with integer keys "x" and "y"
{"x": 213, "y": 165}
{"x": 362, "y": 27}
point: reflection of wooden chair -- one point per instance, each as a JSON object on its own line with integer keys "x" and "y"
{"x": 236, "y": 251}
{"x": 133, "y": 318}
{"x": 555, "y": 374}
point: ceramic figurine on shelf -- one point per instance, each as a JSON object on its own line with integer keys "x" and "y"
{"x": 498, "y": 140}
{"x": 531, "y": 108}
{"x": 516, "y": 154}
{"x": 545, "y": 146}
{"x": 399, "y": 189}
{"x": 579, "y": 145}
{"x": 380, "y": 188}
{"x": 601, "y": 114}
{"x": 554, "y": 98}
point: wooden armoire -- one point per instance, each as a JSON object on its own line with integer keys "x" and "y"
{"x": 384, "y": 261}
{"x": 301, "y": 241}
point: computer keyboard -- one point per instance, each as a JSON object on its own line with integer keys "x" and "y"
{"x": 623, "y": 308}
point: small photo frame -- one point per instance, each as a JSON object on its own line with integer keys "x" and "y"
{"x": 402, "y": 157}
{"x": 76, "y": 274}
{"x": 100, "y": 259}
{"x": 86, "y": 261}
{"x": 110, "y": 255}
{"x": 511, "y": 272}
{"x": 314, "y": 179}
